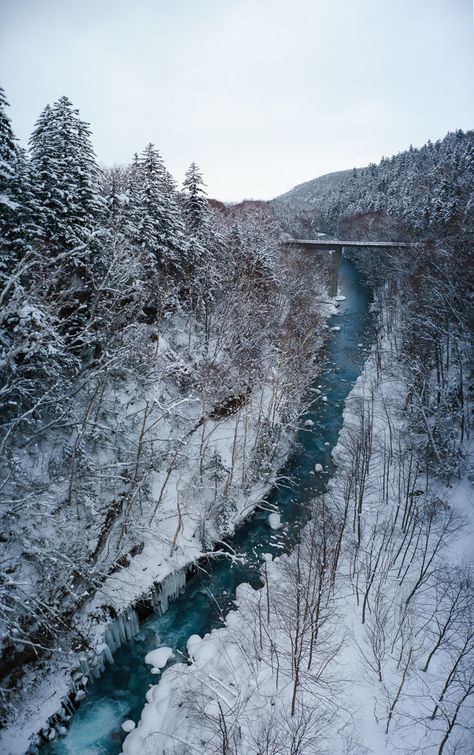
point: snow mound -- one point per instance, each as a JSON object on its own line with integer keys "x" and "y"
{"x": 159, "y": 658}
{"x": 274, "y": 521}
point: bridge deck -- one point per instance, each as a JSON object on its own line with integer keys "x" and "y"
{"x": 336, "y": 244}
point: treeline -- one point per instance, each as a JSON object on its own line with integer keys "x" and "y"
{"x": 154, "y": 353}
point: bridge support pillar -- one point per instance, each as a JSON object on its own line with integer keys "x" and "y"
{"x": 334, "y": 265}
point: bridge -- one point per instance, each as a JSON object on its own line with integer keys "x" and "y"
{"x": 333, "y": 248}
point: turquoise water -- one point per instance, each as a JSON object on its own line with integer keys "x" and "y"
{"x": 119, "y": 694}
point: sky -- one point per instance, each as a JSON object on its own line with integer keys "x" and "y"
{"x": 262, "y": 94}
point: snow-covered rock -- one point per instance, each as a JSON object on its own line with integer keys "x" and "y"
{"x": 274, "y": 521}
{"x": 159, "y": 658}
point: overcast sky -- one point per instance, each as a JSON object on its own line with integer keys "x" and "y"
{"x": 262, "y": 94}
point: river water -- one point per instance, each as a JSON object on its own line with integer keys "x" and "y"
{"x": 119, "y": 693}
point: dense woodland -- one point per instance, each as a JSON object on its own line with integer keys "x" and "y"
{"x": 154, "y": 354}
{"x": 155, "y": 351}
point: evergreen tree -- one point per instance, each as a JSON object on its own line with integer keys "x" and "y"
{"x": 66, "y": 177}
{"x": 10, "y": 178}
{"x": 31, "y": 348}
{"x": 27, "y": 206}
{"x": 67, "y": 192}
{"x": 160, "y": 227}
{"x": 195, "y": 204}
{"x": 7, "y": 154}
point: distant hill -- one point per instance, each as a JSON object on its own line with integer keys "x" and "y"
{"x": 425, "y": 193}
{"x": 309, "y": 190}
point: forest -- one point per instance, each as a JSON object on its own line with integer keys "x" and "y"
{"x": 158, "y": 350}
{"x": 155, "y": 355}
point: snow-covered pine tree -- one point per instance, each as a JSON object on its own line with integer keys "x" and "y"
{"x": 66, "y": 177}
{"x": 149, "y": 182}
{"x": 14, "y": 196}
{"x": 160, "y": 228}
{"x": 20, "y": 333}
{"x": 197, "y": 217}
{"x": 67, "y": 191}
{"x": 205, "y": 245}
{"x": 7, "y": 170}
{"x": 194, "y": 201}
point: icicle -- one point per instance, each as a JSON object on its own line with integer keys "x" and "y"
{"x": 127, "y": 625}
{"x": 69, "y": 708}
{"x": 84, "y": 666}
{"x": 101, "y": 666}
{"x": 169, "y": 589}
{"x": 123, "y": 629}
{"x": 131, "y": 623}
{"x": 107, "y": 652}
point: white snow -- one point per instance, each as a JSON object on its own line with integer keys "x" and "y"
{"x": 274, "y": 521}
{"x": 159, "y": 658}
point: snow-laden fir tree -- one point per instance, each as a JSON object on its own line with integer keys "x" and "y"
{"x": 66, "y": 177}
{"x": 194, "y": 201}
{"x": 153, "y": 206}
{"x": 27, "y": 330}
{"x": 205, "y": 257}
{"x": 70, "y": 209}
{"x": 16, "y": 202}
{"x": 7, "y": 169}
